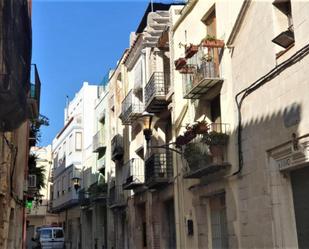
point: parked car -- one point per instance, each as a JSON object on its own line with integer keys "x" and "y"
{"x": 49, "y": 238}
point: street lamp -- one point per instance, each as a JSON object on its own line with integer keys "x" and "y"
{"x": 148, "y": 121}
{"x": 76, "y": 182}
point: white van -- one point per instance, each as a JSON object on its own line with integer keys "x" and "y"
{"x": 50, "y": 238}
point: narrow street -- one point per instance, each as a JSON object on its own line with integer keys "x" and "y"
{"x": 154, "y": 124}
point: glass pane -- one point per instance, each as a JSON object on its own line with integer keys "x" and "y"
{"x": 46, "y": 234}
{"x": 58, "y": 233}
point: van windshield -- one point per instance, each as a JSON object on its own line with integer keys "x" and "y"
{"x": 45, "y": 234}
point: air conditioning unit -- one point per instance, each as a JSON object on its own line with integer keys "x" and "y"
{"x": 32, "y": 181}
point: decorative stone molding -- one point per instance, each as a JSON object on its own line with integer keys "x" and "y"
{"x": 290, "y": 157}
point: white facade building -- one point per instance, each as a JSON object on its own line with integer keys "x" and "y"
{"x": 72, "y": 152}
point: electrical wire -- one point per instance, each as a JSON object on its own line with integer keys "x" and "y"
{"x": 240, "y": 97}
{"x": 14, "y": 151}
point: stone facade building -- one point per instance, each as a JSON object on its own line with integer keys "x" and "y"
{"x": 232, "y": 113}
{"x": 19, "y": 110}
{"x": 226, "y": 162}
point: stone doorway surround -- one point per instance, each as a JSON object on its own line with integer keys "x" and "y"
{"x": 283, "y": 159}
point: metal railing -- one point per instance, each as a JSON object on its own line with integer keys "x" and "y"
{"x": 203, "y": 66}
{"x": 116, "y": 196}
{"x": 131, "y": 107}
{"x": 207, "y": 153}
{"x": 133, "y": 172}
{"x": 98, "y": 141}
{"x": 158, "y": 168}
{"x": 117, "y": 147}
{"x": 157, "y": 85}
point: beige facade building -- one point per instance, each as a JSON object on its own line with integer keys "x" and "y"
{"x": 41, "y": 212}
{"x": 226, "y": 165}
{"x": 19, "y": 110}
{"x": 250, "y": 193}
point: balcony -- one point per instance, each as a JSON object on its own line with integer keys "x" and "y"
{"x": 156, "y": 91}
{"x": 117, "y": 147}
{"x": 133, "y": 173}
{"x": 98, "y": 192}
{"x": 158, "y": 169}
{"x": 116, "y": 197}
{"x": 51, "y": 176}
{"x": 131, "y": 109}
{"x": 101, "y": 162}
{"x": 83, "y": 197}
{"x": 34, "y": 94}
{"x": 98, "y": 142}
{"x": 207, "y": 154}
{"x": 201, "y": 73}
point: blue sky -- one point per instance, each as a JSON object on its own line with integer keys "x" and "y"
{"x": 76, "y": 41}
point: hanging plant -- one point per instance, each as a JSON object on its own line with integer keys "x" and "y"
{"x": 187, "y": 69}
{"x": 212, "y": 42}
{"x": 191, "y": 50}
{"x": 180, "y": 63}
{"x": 201, "y": 127}
{"x": 215, "y": 138}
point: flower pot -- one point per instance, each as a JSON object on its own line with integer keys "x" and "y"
{"x": 189, "y": 135}
{"x": 180, "y": 141}
{"x": 191, "y": 50}
{"x": 187, "y": 70}
{"x": 180, "y": 63}
{"x": 213, "y": 43}
{"x": 201, "y": 128}
{"x": 217, "y": 152}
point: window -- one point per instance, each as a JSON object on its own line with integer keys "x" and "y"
{"x": 62, "y": 185}
{"x": 78, "y": 141}
{"x": 210, "y": 21}
{"x": 69, "y": 181}
{"x": 64, "y": 149}
{"x": 46, "y": 234}
{"x": 58, "y": 188}
{"x": 71, "y": 144}
{"x": 58, "y": 233}
{"x": 218, "y": 221}
{"x": 215, "y": 110}
{"x": 283, "y": 23}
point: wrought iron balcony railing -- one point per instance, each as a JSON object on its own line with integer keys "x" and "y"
{"x": 98, "y": 142}
{"x": 34, "y": 94}
{"x": 132, "y": 107}
{"x": 117, "y": 147}
{"x": 207, "y": 153}
{"x": 158, "y": 169}
{"x": 201, "y": 73}
{"x": 133, "y": 173}
{"x": 156, "y": 91}
{"x": 116, "y": 197}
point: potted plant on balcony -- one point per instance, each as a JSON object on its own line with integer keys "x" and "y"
{"x": 201, "y": 127}
{"x": 216, "y": 142}
{"x": 197, "y": 155}
{"x": 212, "y": 42}
{"x": 180, "y": 63}
{"x": 188, "y": 136}
{"x": 187, "y": 69}
{"x": 190, "y": 50}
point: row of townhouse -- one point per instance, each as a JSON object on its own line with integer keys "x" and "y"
{"x": 200, "y": 134}
{"x": 20, "y": 89}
